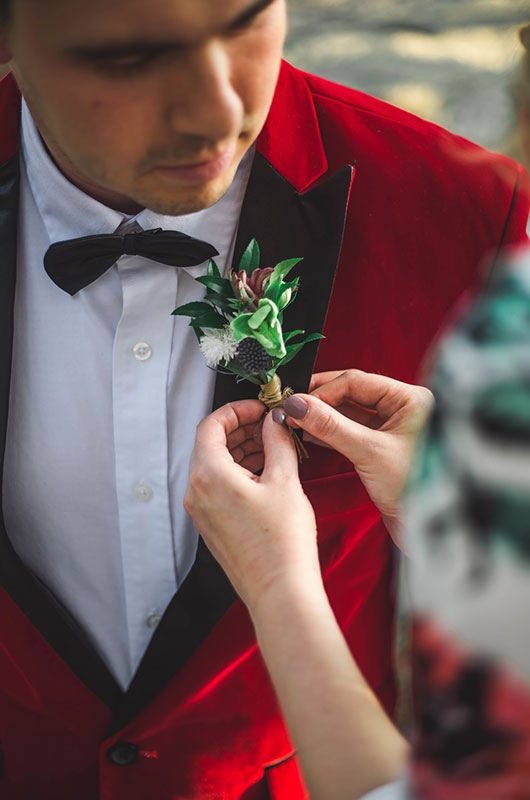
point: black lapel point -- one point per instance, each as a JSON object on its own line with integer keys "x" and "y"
{"x": 287, "y": 224}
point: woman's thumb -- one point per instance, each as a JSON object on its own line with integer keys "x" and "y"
{"x": 325, "y": 423}
{"x": 281, "y": 460}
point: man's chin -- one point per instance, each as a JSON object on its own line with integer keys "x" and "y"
{"x": 172, "y": 207}
{"x": 186, "y": 200}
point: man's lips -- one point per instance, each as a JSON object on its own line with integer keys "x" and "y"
{"x": 199, "y": 172}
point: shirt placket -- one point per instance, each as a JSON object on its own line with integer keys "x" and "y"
{"x": 141, "y": 360}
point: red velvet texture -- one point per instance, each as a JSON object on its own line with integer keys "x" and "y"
{"x": 427, "y": 211}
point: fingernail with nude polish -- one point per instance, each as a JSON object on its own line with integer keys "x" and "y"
{"x": 296, "y": 407}
{"x": 278, "y": 415}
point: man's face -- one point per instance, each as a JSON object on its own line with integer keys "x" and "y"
{"x": 155, "y": 101}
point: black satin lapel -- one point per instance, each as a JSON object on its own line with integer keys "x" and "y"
{"x": 195, "y": 609}
{"x": 322, "y": 217}
{"x": 287, "y": 224}
{"x": 37, "y": 603}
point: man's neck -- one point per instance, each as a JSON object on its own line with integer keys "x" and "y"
{"x": 107, "y": 197}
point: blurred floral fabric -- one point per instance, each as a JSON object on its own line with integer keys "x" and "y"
{"x": 469, "y": 533}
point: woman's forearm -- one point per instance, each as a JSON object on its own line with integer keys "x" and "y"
{"x": 345, "y": 743}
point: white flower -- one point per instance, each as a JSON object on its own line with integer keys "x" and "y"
{"x": 218, "y": 344}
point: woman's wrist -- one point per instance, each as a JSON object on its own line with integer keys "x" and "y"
{"x": 291, "y": 592}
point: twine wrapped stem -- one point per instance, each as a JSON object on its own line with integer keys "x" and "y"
{"x": 273, "y": 396}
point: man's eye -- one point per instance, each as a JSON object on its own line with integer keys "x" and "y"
{"x": 242, "y": 26}
{"x": 126, "y": 64}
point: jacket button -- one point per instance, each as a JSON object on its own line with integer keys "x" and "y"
{"x": 122, "y": 754}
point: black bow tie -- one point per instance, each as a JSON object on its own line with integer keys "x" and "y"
{"x": 76, "y": 263}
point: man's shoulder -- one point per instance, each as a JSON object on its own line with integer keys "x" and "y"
{"x": 348, "y": 102}
{"x": 400, "y": 150}
{"x": 347, "y": 116}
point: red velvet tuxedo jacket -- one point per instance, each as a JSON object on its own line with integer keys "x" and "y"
{"x": 399, "y": 214}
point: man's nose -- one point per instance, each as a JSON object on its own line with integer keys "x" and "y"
{"x": 204, "y": 101}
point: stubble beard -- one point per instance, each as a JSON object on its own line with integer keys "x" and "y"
{"x": 195, "y": 199}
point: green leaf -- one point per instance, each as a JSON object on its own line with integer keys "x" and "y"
{"x": 211, "y": 320}
{"x": 213, "y": 269}
{"x": 276, "y": 285}
{"x": 219, "y": 301}
{"x": 285, "y": 298}
{"x": 291, "y": 284}
{"x": 251, "y": 257}
{"x": 313, "y": 337}
{"x": 284, "y": 267}
{"x": 294, "y": 349}
{"x": 220, "y": 285}
{"x": 192, "y": 309}
{"x": 259, "y": 316}
{"x": 234, "y": 302}
{"x": 241, "y": 328}
{"x": 237, "y": 306}
{"x": 288, "y": 336}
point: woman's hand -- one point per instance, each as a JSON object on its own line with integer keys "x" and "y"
{"x": 262, "y": 529}
{"x": 372, "y": 420}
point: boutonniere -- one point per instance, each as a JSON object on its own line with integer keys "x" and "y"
{"x": 239, "y": 324}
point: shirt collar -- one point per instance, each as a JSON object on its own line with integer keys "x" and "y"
{"x": 67, "y": 212}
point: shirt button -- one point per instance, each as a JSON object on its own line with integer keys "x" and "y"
{"x": 153, "y": 620}
{"x": 123, "y": 754}
{"x": 143, "y": 492}
{"x": 142, "y": 351}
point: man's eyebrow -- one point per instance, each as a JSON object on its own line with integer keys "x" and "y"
{"x": 121, "y": 49}
{"x": 254, "y": 10}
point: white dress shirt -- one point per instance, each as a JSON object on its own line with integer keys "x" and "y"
{"x": 107, "y": 389}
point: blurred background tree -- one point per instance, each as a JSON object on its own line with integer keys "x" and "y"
{"x": 455, "y": 62}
